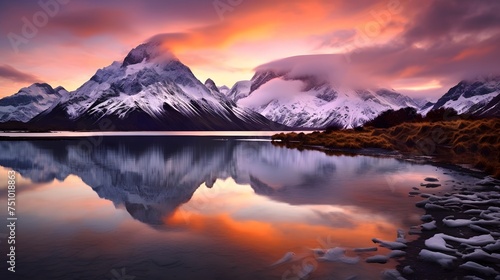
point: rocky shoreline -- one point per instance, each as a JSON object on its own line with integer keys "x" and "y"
{"x": 460, "y": 234}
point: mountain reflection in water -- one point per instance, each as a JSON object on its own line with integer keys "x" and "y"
{"x": 207, "y": 208}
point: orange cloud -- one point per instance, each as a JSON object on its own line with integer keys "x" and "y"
{"x": 283, "y": 20}
{"x": 475, "y": 52}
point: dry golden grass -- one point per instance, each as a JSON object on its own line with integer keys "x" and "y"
{"x": 475, "y": 142}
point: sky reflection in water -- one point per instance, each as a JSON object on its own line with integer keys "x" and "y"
{"x": 191, "y": 207}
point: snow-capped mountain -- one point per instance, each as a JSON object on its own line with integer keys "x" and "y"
{"x": 309, "y": 101}
{"x": 150, "y": 90}
{"x": 476, "y": 96}
{"x": 29, "y": 102}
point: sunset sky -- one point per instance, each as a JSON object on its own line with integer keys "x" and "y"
{"x": 420, "y": 48}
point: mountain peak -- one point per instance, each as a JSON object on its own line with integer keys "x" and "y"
{"x": 210, "y": 84}
{"x": 46, "y": 87}
{"x": 224, "y": 89}
{"x": 41, "y": 89}
{"x": 59, "y": 89}
{"x": 149, "y": 51}
{"x": 29, "y": 102}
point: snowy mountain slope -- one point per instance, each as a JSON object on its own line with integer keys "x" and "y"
{"x": 308, "y": 101}
{"x": 144, "y": 71}
{"x": 491, "y": 109}
{"x": 395, "y": 98}
{"x": 470, "y": 96}
{"x": 29, "y": 102}
{"x": 150, "y": 90}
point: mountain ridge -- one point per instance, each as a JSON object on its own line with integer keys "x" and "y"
{"x": 471, "y": 96}
{"x": 29, "y": 102}
{"x": 151, "y": 89}
{"x": 310, "y": 101}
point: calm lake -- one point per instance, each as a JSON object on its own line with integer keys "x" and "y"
{"x": 200, "y": 207}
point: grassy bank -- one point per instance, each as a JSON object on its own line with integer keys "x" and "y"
{"x": 475, "y": 142}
